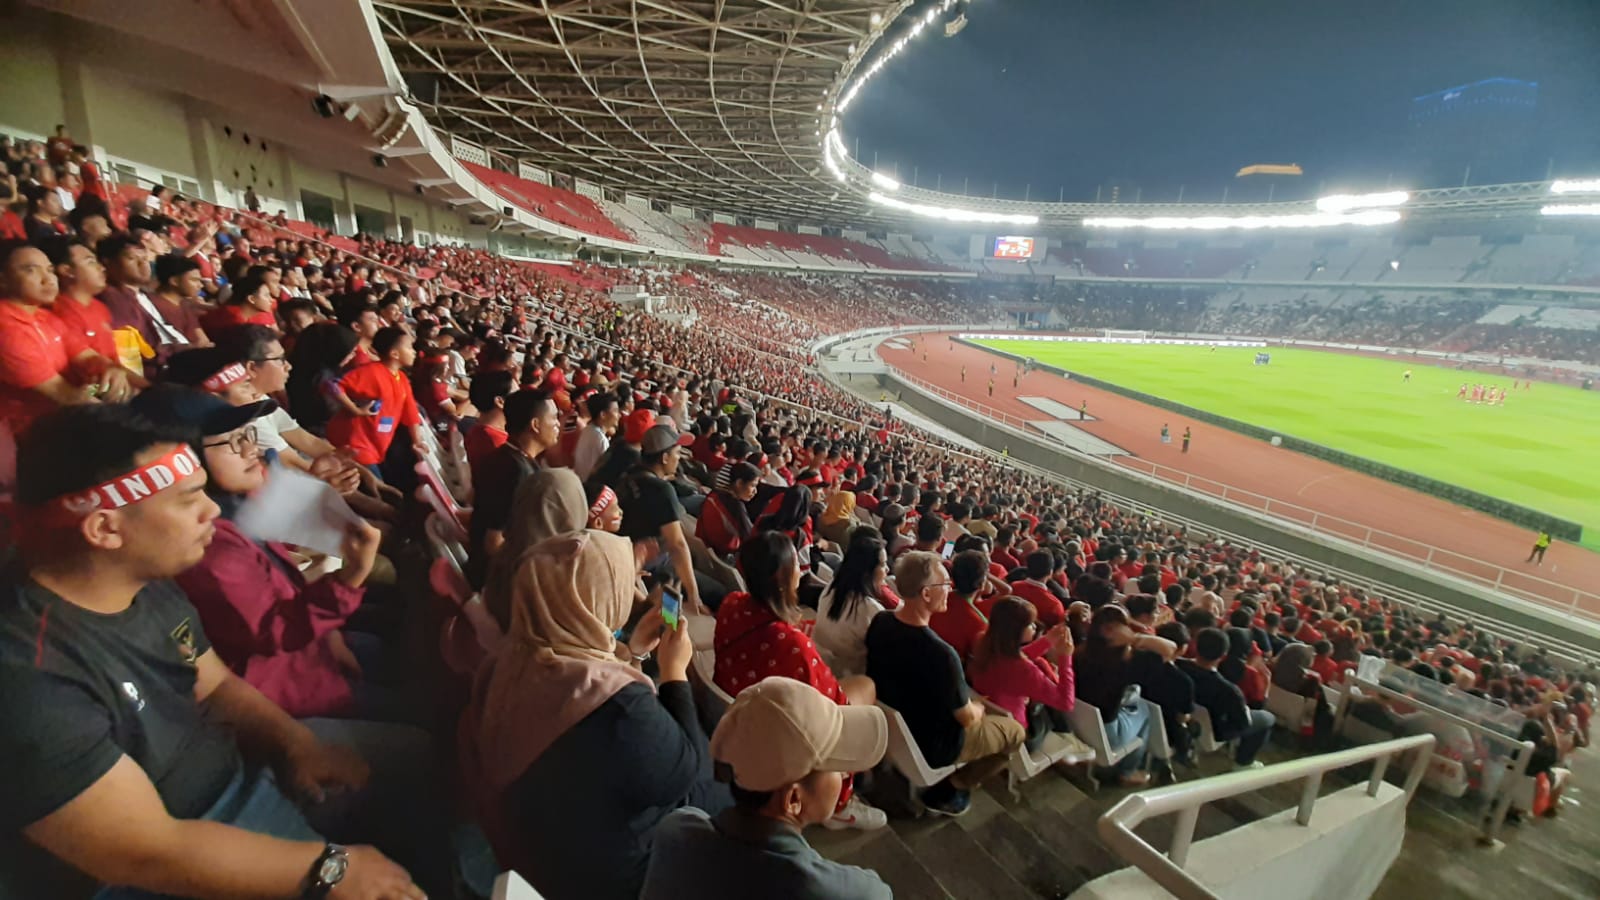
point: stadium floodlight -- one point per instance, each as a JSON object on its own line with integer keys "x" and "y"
{"x": 1338, "y": 203}
{"x": 1245, "y": 223}
{"x": 885, "y": 182}
{"x": 1570, "y": 186}
{"x": 1571, "y": 209}
{"x": 951, "y": 214}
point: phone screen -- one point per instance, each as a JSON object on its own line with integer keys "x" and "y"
{"x": 949, "y": 549}
{"x": 671, "y": 609}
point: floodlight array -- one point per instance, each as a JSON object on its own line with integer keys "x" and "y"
{"x": 1571, "y": 209}
{"x": 1245, "y": 223}
{"x": 1570, "y": 186}
{"x": 952, "y": 214}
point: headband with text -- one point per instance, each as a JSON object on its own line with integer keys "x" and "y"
{"x": 140, "y": 484}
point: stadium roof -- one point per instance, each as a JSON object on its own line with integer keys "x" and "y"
{"x": 714, "y": 105}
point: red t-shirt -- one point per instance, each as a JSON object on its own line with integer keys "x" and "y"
{"x": 751, "y": 644}
{"x": 481, "y": 440}
{"x": 34, "y": 348}
{"x": 92, "y": 320}
{"x": 369, "y": 437}
{"x": 1328, "y": 670}
{"x": 1051, "y": 612}
{"x": 960, "y": 625}
{"x": 224, "y": 317}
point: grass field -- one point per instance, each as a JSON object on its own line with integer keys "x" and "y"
{"x": 1540, "y": 449}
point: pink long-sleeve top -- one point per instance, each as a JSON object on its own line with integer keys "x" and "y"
{"x": 268, "y": 624}
{"x": 1012, "y": 683}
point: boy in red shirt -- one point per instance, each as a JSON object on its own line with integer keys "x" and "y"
{"x": 382, "y": 392}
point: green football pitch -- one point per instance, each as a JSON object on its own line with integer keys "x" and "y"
{"x": 1540, "y": 449}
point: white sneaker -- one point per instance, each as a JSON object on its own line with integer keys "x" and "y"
{"x": 1250, "y": 766}
{"x": 858, "y": 814}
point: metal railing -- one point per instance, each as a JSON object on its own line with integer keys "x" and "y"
{"x": 1117, "y": 825}
{"x": 1521, "y": 585}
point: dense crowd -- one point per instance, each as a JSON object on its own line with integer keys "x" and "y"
{"x": 213, "y": 425}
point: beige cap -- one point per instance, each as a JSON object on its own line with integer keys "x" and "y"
{"x": 779, "y": 730}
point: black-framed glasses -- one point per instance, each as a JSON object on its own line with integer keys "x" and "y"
{"x": 242, "y": 442}
{"x": 267, "y": 359}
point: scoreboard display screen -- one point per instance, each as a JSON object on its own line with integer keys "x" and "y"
{"x": 1012, "y": 247}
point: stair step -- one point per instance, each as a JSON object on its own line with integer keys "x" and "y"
{"x": 962, "y": 866}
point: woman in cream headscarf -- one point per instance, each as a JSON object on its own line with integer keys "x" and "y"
{"x": 548, "y": 502}
{"x": 572, "y": 757}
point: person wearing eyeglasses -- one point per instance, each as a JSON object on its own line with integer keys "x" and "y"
{"x": 921, "y": 677}
{"x": 281, "y": 634}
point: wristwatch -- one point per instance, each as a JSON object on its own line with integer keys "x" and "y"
{"x": 326, "y": 872}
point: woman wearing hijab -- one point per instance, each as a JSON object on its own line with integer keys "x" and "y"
{"x": 1242, "y": 666}
{"x": 547, "y": 503}
{"x": 1291, "y": 671}
{"x": 572, "y": 757}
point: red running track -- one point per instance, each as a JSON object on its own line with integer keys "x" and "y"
{"x": 1473, "y": 543}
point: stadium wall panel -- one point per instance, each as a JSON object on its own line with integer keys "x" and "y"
{"x": 1225, "y": 517}
{"x": 1517, "y": 514}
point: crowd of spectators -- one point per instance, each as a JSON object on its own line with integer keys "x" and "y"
{"x": 173, "y": 676}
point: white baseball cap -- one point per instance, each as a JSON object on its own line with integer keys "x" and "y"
{"x": 780, "y": 730}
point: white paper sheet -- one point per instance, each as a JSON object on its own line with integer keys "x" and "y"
{"x": 295, "y": 508}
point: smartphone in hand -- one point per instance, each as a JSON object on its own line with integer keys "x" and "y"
{"x": 671, "y": 609}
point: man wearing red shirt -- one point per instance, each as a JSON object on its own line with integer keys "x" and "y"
{"x": 42, "y": 363}
{"x": 961, "y": 622}
{"x": 1032, "y": 589}
{"x": 81, "y": 277}
{"x": 382, "y": 390}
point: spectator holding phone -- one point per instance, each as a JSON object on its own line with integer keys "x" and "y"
{"x": 571, "y": 755}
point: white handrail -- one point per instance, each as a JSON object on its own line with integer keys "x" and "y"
{"x": 1116, "y": 826}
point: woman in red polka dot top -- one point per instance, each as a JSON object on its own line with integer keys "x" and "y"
{"x": 760, "y": 634}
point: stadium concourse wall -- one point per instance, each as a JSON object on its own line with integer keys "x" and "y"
{"x": 1178, "y": 503}
{"x": 1517, "y": 514}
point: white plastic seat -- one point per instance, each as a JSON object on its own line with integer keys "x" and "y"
{"x": 1057, "y": 748}
{"x": 1292, "y": 711}
{"x": 705, "y": 666}
{"x": 907, "y": 758}
{"x": 1207, "y": 742}
{"x": 510, "y": 886}
{"x": 1088, "y": 726}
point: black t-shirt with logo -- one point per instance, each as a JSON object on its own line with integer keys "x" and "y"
{"x": 79, "y": 690}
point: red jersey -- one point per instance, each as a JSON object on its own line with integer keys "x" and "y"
{"x": 92, "y": 320}
{"x": 1051, "y": 612}
{"x": 34, "y": 348}
{"x": 369, "y": 437}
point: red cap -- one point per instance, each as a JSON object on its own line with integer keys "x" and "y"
{"x": 636, "y": 424}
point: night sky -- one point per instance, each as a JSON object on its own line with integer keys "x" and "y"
{"x": 1071, "y": 95}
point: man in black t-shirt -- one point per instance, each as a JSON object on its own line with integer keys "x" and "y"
{"x": 1231, "y": 718}
{"x": 920, "y": 676}
{"x": 650, "y": 507}
{"x": 533, "y": 426}
{"x": 120, "y": 729}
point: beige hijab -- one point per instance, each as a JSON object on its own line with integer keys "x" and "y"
{"x": 558, "y": 664}
{"x": 548, "y": 502}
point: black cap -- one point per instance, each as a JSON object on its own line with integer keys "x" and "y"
{"x": 171, "y": 404}
{"x": 192, "y": 367}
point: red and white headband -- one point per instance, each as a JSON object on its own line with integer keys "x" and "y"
{"x": 229, "y": 374}
{"x": 143, "y": 482}
{"x": 606, "y": 498}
